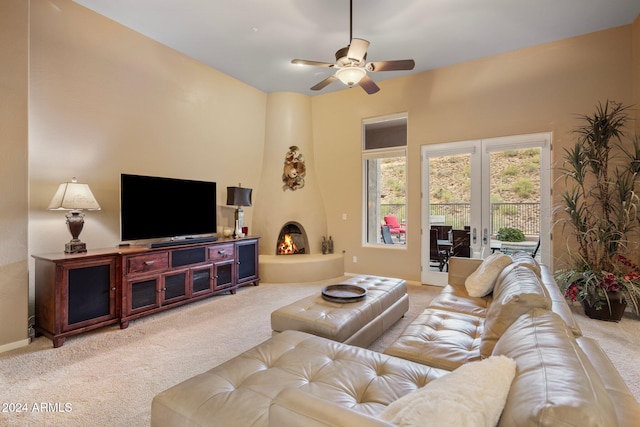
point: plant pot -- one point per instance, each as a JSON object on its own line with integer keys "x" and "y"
{"x": 611, "y": 312}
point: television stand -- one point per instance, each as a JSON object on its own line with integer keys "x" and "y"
{"x": 75, "y": 293}
{"x": 187, "y": 241}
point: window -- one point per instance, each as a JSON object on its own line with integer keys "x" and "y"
{"x": 384, "y": 158}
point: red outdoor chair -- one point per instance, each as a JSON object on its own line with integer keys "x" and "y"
{"x": 394, "y": 226}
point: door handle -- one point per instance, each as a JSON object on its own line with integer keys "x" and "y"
{"x": 475, "y": 238}
{"x": 485, "y": 237}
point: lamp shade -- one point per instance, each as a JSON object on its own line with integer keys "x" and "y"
{"x": 73, "y": 196}
{"x": 238, "y": 196}
{"x": 351, "y": 75}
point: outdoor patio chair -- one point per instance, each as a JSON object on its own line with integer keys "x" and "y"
{"x": 386, "y": 235}
{"x": 461, "y": 243}
{"x": 437, "y": 257}
{"x": 394, "y": 226}
{"x": 443, "y": 231}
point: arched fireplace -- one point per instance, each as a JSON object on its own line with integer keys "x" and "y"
{"x": 292, "y": 240}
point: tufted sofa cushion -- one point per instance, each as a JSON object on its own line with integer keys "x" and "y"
{"x": 293, "y": 407}
{"x": 518, "y": 289}
{"x": 556, "y": 383}
{"x": 455, "y": 298}
{"x": 240, "y": 391}
{"x": 440, "y": 338}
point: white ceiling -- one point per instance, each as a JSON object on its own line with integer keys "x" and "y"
{"x": 255, "y": 40}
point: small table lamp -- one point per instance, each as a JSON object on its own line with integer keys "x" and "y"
{"x": 238, "y": 196}
{"x": 74, "y": 197}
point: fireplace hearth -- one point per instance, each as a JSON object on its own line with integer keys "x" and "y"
{"x": 292, "y": 240}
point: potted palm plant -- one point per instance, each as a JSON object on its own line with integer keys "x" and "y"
{"x": 600, "y": 209}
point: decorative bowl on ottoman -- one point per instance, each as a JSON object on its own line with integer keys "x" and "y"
{"x": 343, "y": 292}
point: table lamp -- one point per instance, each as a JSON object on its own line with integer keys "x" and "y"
{"x": 74, "y": 197}
{"x": 238, "y": 196}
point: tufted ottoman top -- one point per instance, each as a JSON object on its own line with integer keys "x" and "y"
{"x": 339, "y": 321}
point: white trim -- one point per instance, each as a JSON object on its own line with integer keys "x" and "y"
{"x": 380, "y": 153}
{"x": 448, "y": 149}
{"x": 385, "y": 118}
{"x": 14, "y": 345}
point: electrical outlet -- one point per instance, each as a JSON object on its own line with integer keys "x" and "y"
{"x": 344, "y": 216}
{"x": 355, "y": 259}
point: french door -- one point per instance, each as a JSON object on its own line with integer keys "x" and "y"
{"x": 495, "y": 191}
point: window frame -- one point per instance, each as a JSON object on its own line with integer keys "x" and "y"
{"x": 379, "y": 154}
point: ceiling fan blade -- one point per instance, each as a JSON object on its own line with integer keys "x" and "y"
{"x": 314, "y": 63}
{"x": 368, "y": 85}
{"x": 326, "y": 82}
{"x": 357, "y": 49}
{"x": 403, "y": 64}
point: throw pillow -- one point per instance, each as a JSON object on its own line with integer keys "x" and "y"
{"x": 472, "y": 395}
{"x": 480, "y": 283}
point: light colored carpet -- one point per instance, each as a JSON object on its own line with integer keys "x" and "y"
{"x": 108, "y": 377}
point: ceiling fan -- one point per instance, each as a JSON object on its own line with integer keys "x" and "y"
{"x": 350, "y": 64}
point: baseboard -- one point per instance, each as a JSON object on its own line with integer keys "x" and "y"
{"x": 14, "y": 345}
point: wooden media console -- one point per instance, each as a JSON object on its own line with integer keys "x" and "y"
{"x": 75, "y": 293}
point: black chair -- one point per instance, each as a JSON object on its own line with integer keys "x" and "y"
{"x": 443, "y": 231}
{"x": 461, "y": 244}
{"x": 437, "y": 257}
{"x": 386, "y": 235}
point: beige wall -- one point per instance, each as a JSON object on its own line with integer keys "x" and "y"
{"x": 106, "y": 100}
{"x": 13, "y": 173}
{"x": 538, "y": 89}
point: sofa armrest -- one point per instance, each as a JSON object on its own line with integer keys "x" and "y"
{"x": 293, "y": 407}
{"x": 626, "y": 406}
{"x": 461, "y": 268}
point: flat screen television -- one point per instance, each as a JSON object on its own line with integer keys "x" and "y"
{"x": 154, "y": 207}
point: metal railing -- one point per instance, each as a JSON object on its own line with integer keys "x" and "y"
{"x": 456, "y": 215}
{"x": 399, "y": 210}
{"x": 523, "y": 216}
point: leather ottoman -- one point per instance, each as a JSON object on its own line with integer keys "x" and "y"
{"x": 357, "y": 323}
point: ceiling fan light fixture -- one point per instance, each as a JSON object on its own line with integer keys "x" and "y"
{"x": 351, "y": 75}
{"x": 350, "y": 65}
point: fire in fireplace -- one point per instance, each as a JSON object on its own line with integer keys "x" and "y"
{"x": 291, "y": 240}
{"x": 287, "y": 247}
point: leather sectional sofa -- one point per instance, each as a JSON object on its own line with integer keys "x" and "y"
{"x": 296, "y": 379}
